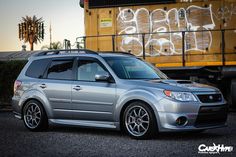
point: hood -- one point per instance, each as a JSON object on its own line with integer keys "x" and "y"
{"x": 175, "y": 85}
{"x": 189, "y": 85}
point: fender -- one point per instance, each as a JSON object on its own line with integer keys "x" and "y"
{"x": 136, "y": 94}
{"x": 35, "y": 94}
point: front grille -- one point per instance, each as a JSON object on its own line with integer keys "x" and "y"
{"x": 210, "y": 98}
{"x": 211, "y": 115}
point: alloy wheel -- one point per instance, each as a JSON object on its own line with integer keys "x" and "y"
{"x": 32, "y": 116}
{"x": 137, "y": 121}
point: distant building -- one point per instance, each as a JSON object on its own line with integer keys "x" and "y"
{"x": 16, "y": 55}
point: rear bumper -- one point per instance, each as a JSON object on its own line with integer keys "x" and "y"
{"x": 16, "y": 108}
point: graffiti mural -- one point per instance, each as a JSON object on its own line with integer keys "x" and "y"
{"x": 225, "y": 12}
{"x": 160, "y": 21}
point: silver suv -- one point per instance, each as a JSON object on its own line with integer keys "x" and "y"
{"x": 114, "y": 91}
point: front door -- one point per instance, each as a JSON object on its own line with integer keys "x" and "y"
{"x": 92, "y": 100}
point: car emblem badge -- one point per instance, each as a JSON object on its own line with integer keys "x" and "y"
{"x": 211, "y": 97}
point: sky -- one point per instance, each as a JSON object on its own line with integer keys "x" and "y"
{"x": 66, "y": 18}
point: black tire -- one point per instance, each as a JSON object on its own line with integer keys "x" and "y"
{"x": 131, "y": 129}
{"x": 34, "y": 116}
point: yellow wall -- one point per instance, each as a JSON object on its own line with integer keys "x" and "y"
{"x": 165, "y": 49}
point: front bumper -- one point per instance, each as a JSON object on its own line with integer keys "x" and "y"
{"x": 198, "y": 116}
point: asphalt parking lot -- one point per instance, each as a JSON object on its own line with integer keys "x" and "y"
{"x": 16, "y": 140}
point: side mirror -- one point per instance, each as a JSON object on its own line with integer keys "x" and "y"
{"x": 102, "y": 77}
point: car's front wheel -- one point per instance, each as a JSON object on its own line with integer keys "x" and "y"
{"x": 139, "y": 121}
{"x": 34, "y": 116}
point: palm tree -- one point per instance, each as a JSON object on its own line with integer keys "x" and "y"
{"x": 54, "y": 46}
{"x": 31, "y": 30}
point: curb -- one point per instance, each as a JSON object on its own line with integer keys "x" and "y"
{"x": 5, "y": 110}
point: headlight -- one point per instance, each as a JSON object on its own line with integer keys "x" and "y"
{"x": 181, "y": 96}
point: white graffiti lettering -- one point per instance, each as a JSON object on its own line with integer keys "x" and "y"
{"x": 160, "y": 21}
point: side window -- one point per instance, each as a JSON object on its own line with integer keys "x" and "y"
{"x": 60, "y": 70}
{"x": 88, "y": 68}
{"x": 37, "y": 68}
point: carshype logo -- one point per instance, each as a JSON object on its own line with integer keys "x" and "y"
{"x": 214, "y": 149}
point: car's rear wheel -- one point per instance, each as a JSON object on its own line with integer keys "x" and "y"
{"x": 139, "y": 121}
{"x": 34, "y": 116}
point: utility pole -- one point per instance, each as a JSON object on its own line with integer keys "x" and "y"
{"x": 50, "y": 31}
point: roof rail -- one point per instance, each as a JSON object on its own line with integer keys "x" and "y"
{"x": 118, "y": 52}
{"x": 64, "y": 51}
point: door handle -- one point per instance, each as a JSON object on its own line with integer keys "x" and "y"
{"x": 77, "y": 88}
{"x": 43, "y": 86}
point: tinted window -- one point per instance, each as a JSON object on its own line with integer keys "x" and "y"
{"x": 88, "y": 68}
{"x": 133, "y": 68}
{"x": 60, "y": 69}
{"x": 37, "y": 68}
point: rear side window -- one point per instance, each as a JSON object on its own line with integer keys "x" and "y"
{"x": 37, "y": 68}
{"x": 60, "y": 70}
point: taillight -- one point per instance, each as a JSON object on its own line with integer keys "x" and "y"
{"x": 17, "y": 85}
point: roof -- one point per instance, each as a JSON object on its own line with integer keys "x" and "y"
{"x": 25, "y": 55}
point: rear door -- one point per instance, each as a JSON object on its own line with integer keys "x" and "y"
{"x": 57, "y": 86}
{"x": 92, "y": 100}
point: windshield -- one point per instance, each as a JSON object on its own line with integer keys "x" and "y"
{"x": 133, "y": 68}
